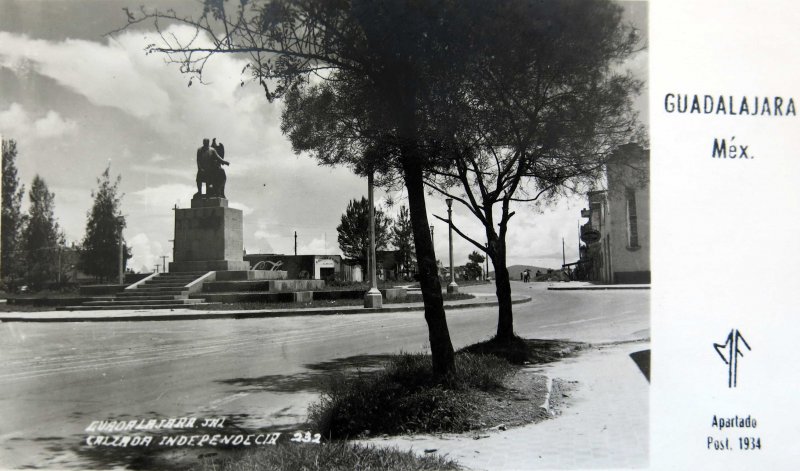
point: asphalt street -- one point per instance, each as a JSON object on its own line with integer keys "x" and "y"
{"x": 261, "y": 374}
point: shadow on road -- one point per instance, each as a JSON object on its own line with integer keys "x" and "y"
{"x": 318, "y": 374}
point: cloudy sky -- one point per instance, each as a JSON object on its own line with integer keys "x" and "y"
{"x": 76, "y": 101}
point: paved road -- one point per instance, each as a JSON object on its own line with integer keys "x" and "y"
{"x": 56, "y": 378}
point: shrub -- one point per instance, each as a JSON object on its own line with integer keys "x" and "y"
{"x": 519, "y": 351}
{"x": 405, "y": 397}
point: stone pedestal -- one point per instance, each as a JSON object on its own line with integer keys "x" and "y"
{"x": 373, "y": 298}
{"x": 208, "y": 237}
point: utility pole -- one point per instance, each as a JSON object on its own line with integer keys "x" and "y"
{"x": 121, "y": 270}
{"x": 121, "y": 259}
{"x": 486, "y": 275}
{"x": 373, "y": 298}
{"x": 452, "y": 287}
{"x": 295, "y": 243}
{"x": 563, "y": 253}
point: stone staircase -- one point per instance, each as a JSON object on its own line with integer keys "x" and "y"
{"x": 163, "y": 291}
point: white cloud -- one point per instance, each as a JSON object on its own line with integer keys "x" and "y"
{"x": 52, "y": 125}
{"x": 18, "y": 122}
{"x": 166, "y": 195}
{"x": 158, "y": 158}
{"x": 162, "y": 170}
{"x": 99, "y": 72}
{"x": 317, "y": 246}
{"x": 14, "y": 120}
{"x": 146, "y": 253}
{"x": 262, "y": 235}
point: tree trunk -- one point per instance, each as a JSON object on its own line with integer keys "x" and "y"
{"x": 438, "y": 333}
{"x": 505, "y": 316}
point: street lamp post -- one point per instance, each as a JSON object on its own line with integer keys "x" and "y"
{"x": 373, "y": 298}
{"x": 121, "y": 253}
{"x": 486, "y": 273}
{"x": 452, "y": 287}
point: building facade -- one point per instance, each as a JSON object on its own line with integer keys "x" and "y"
{"x": 617, "y": 234}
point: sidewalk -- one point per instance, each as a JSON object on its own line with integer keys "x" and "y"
{"x": 121, "y": 315}
{"x": 603, "y": 424}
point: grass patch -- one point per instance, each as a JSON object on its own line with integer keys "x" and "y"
{"x": 519, "y": 351}
{"x": 4, "y": 307}
{"x": 333, "y": 285}
{"x": 333, "y": 456}
{"x": 417, "y": 298}
{"x": 405, "y": 397}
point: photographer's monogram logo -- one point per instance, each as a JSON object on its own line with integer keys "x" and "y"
{"x": 730, "y": 351}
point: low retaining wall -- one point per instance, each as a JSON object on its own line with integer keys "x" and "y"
{"x": 255, "y": 297}
{"x": 54, "y": 302}
{"x": 236, "y": 275}
{"x": 392, "y": 294}
{"x": 99, "y": 290}
{"x": 339, "y": 294}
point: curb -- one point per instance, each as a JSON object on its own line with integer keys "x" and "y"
{"x": 546, "y": 404}
{"x": 199, "y": 315}
{"x": 597, "y": 287}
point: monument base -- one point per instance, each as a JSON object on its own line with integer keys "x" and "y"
{"x": 373, "y": 298}
{"x": 209, "y": 202}
{"x": 209, "y": 265}
{"x": 208, "y": 237}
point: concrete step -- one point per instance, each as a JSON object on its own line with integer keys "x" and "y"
{"x": 195, "y": 274}
{"x": 163, "y": 284}
{"x": 235, "y": 286}
{"x": 245, "y": 297}
{"x": 129, "y": 296}
{"x": 169, "y": 280}
{"x": 158, "y": 290}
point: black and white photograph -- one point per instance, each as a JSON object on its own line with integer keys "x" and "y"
{"x": 395, "y": 234}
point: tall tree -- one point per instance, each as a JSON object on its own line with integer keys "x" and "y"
{"x": 381, "y": 64}
{"x": 42, "y": 238}
{"x": 99, "y": 252}
{"x": 354, "y": 231}
{"x": 403, "y": 240}
{"x": 12, "y": 216}
{"x": 473, "y": 269}
{"x": 546, "y": 108}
